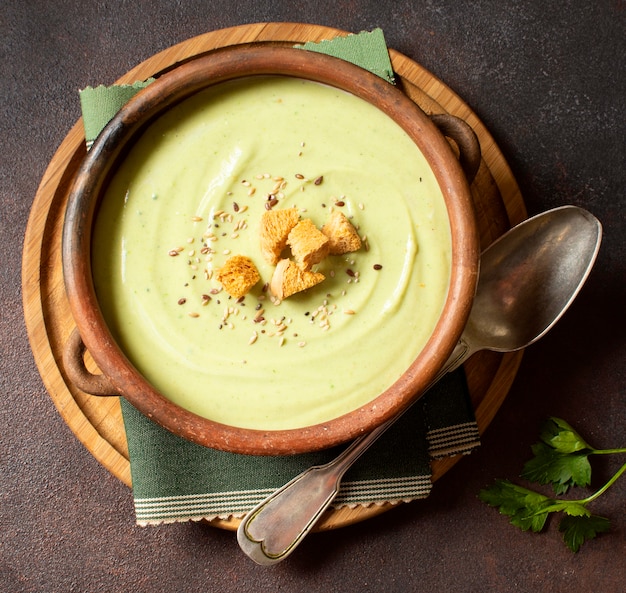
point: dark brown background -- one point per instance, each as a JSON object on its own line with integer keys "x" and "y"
{"x": 549, "y": 81}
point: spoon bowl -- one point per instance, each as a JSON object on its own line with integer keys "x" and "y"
{"x": 528, "y": 279}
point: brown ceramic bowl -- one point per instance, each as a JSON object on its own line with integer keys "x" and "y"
{"x": 120, "y": 377}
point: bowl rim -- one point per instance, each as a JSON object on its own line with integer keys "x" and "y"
{"x": 179, "y": 83}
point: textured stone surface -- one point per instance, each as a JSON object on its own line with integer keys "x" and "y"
{"x": 549, "y": 81}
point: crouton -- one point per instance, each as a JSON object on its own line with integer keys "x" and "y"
{"x": 289, "y": 278}
{"x": 275, "y": 228}
{"x": 238, "y": 275}
{"x": 343, "y": 237}
{"x": 309, "y": 245}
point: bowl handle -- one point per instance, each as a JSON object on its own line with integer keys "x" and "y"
{"x": 74, "y": 363}
{"x": 461, "y": 132}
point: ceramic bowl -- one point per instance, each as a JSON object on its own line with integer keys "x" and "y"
{"x": 120, "y": 377}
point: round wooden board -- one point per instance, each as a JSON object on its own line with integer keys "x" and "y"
{"x": 97, "y": 421}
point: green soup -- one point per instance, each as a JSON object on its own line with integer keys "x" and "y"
{"x": 190, "y": 194}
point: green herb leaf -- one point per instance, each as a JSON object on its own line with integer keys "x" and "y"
{"x": 562, "y": 471}
{"x": 578, "y": 529}
{"x": 561, "y": 459}
{"x": 525, "y": 507}
{"x": 559, "y": 435}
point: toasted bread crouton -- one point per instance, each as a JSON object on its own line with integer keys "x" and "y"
{"x": 238, "y": 275}
{"x": 309, "y": 245}
{"x": 343, "y": 237}
{"x": 275, "y": 228}
{"x": 289, "y": 278}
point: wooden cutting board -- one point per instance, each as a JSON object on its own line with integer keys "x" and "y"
{"x": 97, "y": 422}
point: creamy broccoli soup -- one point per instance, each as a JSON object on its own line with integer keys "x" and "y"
{"x": 190, "y": 195}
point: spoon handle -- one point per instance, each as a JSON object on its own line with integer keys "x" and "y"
{"x": 275, "y": 527}
{"x": 270, "y": 532}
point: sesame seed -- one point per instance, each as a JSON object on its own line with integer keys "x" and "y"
{"x": 253, "y": 338}
{"x": 194, "y": 314}
{"x": 348, "y": 311}
{"x": 299, "y": 176}
{"x": 196, "y": 218}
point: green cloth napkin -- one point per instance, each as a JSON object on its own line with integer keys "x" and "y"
{"x": 101, "y": 103}
{"x": 367, "y": 50}
{"x": 176, "y": 480}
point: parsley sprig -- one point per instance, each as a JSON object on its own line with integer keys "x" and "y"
{"x": 561, "y": 459}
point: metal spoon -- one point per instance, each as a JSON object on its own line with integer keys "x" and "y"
{"x": 528, "y": 279}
